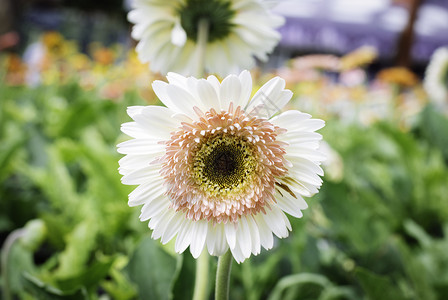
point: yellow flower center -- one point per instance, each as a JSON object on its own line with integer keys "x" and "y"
{"x": 224, "y": 164}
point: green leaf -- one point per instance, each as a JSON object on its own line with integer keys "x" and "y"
{"x": 377, "y": 286}
{"x": 184, "y": 285}
{"x": 44, "y": 291}
{"x": 80, "y": 243}
{"x": 118, "y": 286}
{"x": 18, "y": 260}
{"x": 90, "y": 276}
{"x": 434, "y": 127}
{"x": 417, "y": 273}
{"x": 8, "y": 149}
{"x": 296, "y": 280}
{"x": 417, "y": 232}
{"x": 153, "y": 270}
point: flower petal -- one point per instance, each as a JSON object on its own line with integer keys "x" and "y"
{"x": 230, "y": 91}
{"x": 199, "y": 237}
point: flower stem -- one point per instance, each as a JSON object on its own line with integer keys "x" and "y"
{"x": 223, "y": 276}
{"x": 201, "y": 278}
{"x": 202, "y": 46}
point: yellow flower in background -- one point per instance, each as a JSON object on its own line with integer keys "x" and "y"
{"x": 216, "y": 168}
{"x": 52, "y": 40}
{"x": 360, "y": 57}
{"x": 80, "y": 62}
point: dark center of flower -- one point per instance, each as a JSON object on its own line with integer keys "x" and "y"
{"x": 218, "y": 13}
{"x": 223, "y": 163}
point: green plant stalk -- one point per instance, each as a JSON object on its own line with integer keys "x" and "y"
{"x": 223, "y": 276}
{"x": 201, "y": 277}
{"x": 203, "y": 28}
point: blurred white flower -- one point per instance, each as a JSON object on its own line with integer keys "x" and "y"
{"x": 215, "y": 168}
{"x": 333, "y": 164}
{"x": 238, "y": 30}
{"x": 436, "y": 76}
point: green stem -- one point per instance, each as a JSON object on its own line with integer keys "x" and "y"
{"x": 223, "y": 276}
{"x": 202, "y": 46}
{"x": 201, "y": 278}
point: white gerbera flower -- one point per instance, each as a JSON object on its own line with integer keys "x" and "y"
{"x": 215, "y": 168}
{"x": 436, "y": 77}
{"x": 167, "y": 32}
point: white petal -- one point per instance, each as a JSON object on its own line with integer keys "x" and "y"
{"x": 154, "y": 208}
{"x": 184, "y": 236}
{"x": 304, "y": 176}
{"x": 215, "y": 83}
{"x": 294, "y": 121}
{"x": 291, "y": 205}
{"x": 173, "y": 228}
{"x": 136, "y": 131}
{"x": 305, "y": 152}
{"x": 246, "y": 89}
{"x": 309, "y": 125}
{"x": 238, "y": 254}
{"x": 141, "y": 146}
{"x": 160, "y": 89}
{"x": 230, "y": 231}
{"x": 216, "y": 239}
{"x": 208, "y": 95}
{"x": 243, "y": 238}
{"x": 271, "y": 96}
{"x": 177, "y": 79}
{"x": 146, "y": 192}
{"x": 298, "y": 187}
{"x": 230, "y": 91}
{"x": 289, "y": 119}
{"x": 266, "y": 238}
{"x": 141, "y": 175}
{"x": 134, "y": 110}
{"x": 197, "y": 244}
{"x": 212, "y": 236}
{"x": 176, "y": 97}
{"x": 163, "y": 224}
{"x": 131, "y": 162}
{"x": 275, "y": 219}
{"x": 183, "y": 100}
{"x": 299, "y": 137}
{"x": 305, "y": 164}
{"x": 178, "y": 35}
{"x": 158, "y": 121}
{"x": 254, "y": 234}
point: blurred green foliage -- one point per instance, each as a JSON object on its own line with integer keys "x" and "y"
{"x": 379, "y": 232}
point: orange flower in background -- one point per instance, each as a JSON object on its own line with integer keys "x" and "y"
{"x": 13, "y": 63}
{"x": 15, "y": 69}
{"x": 398, "y": 76}
{"x": 104, "y": 56}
